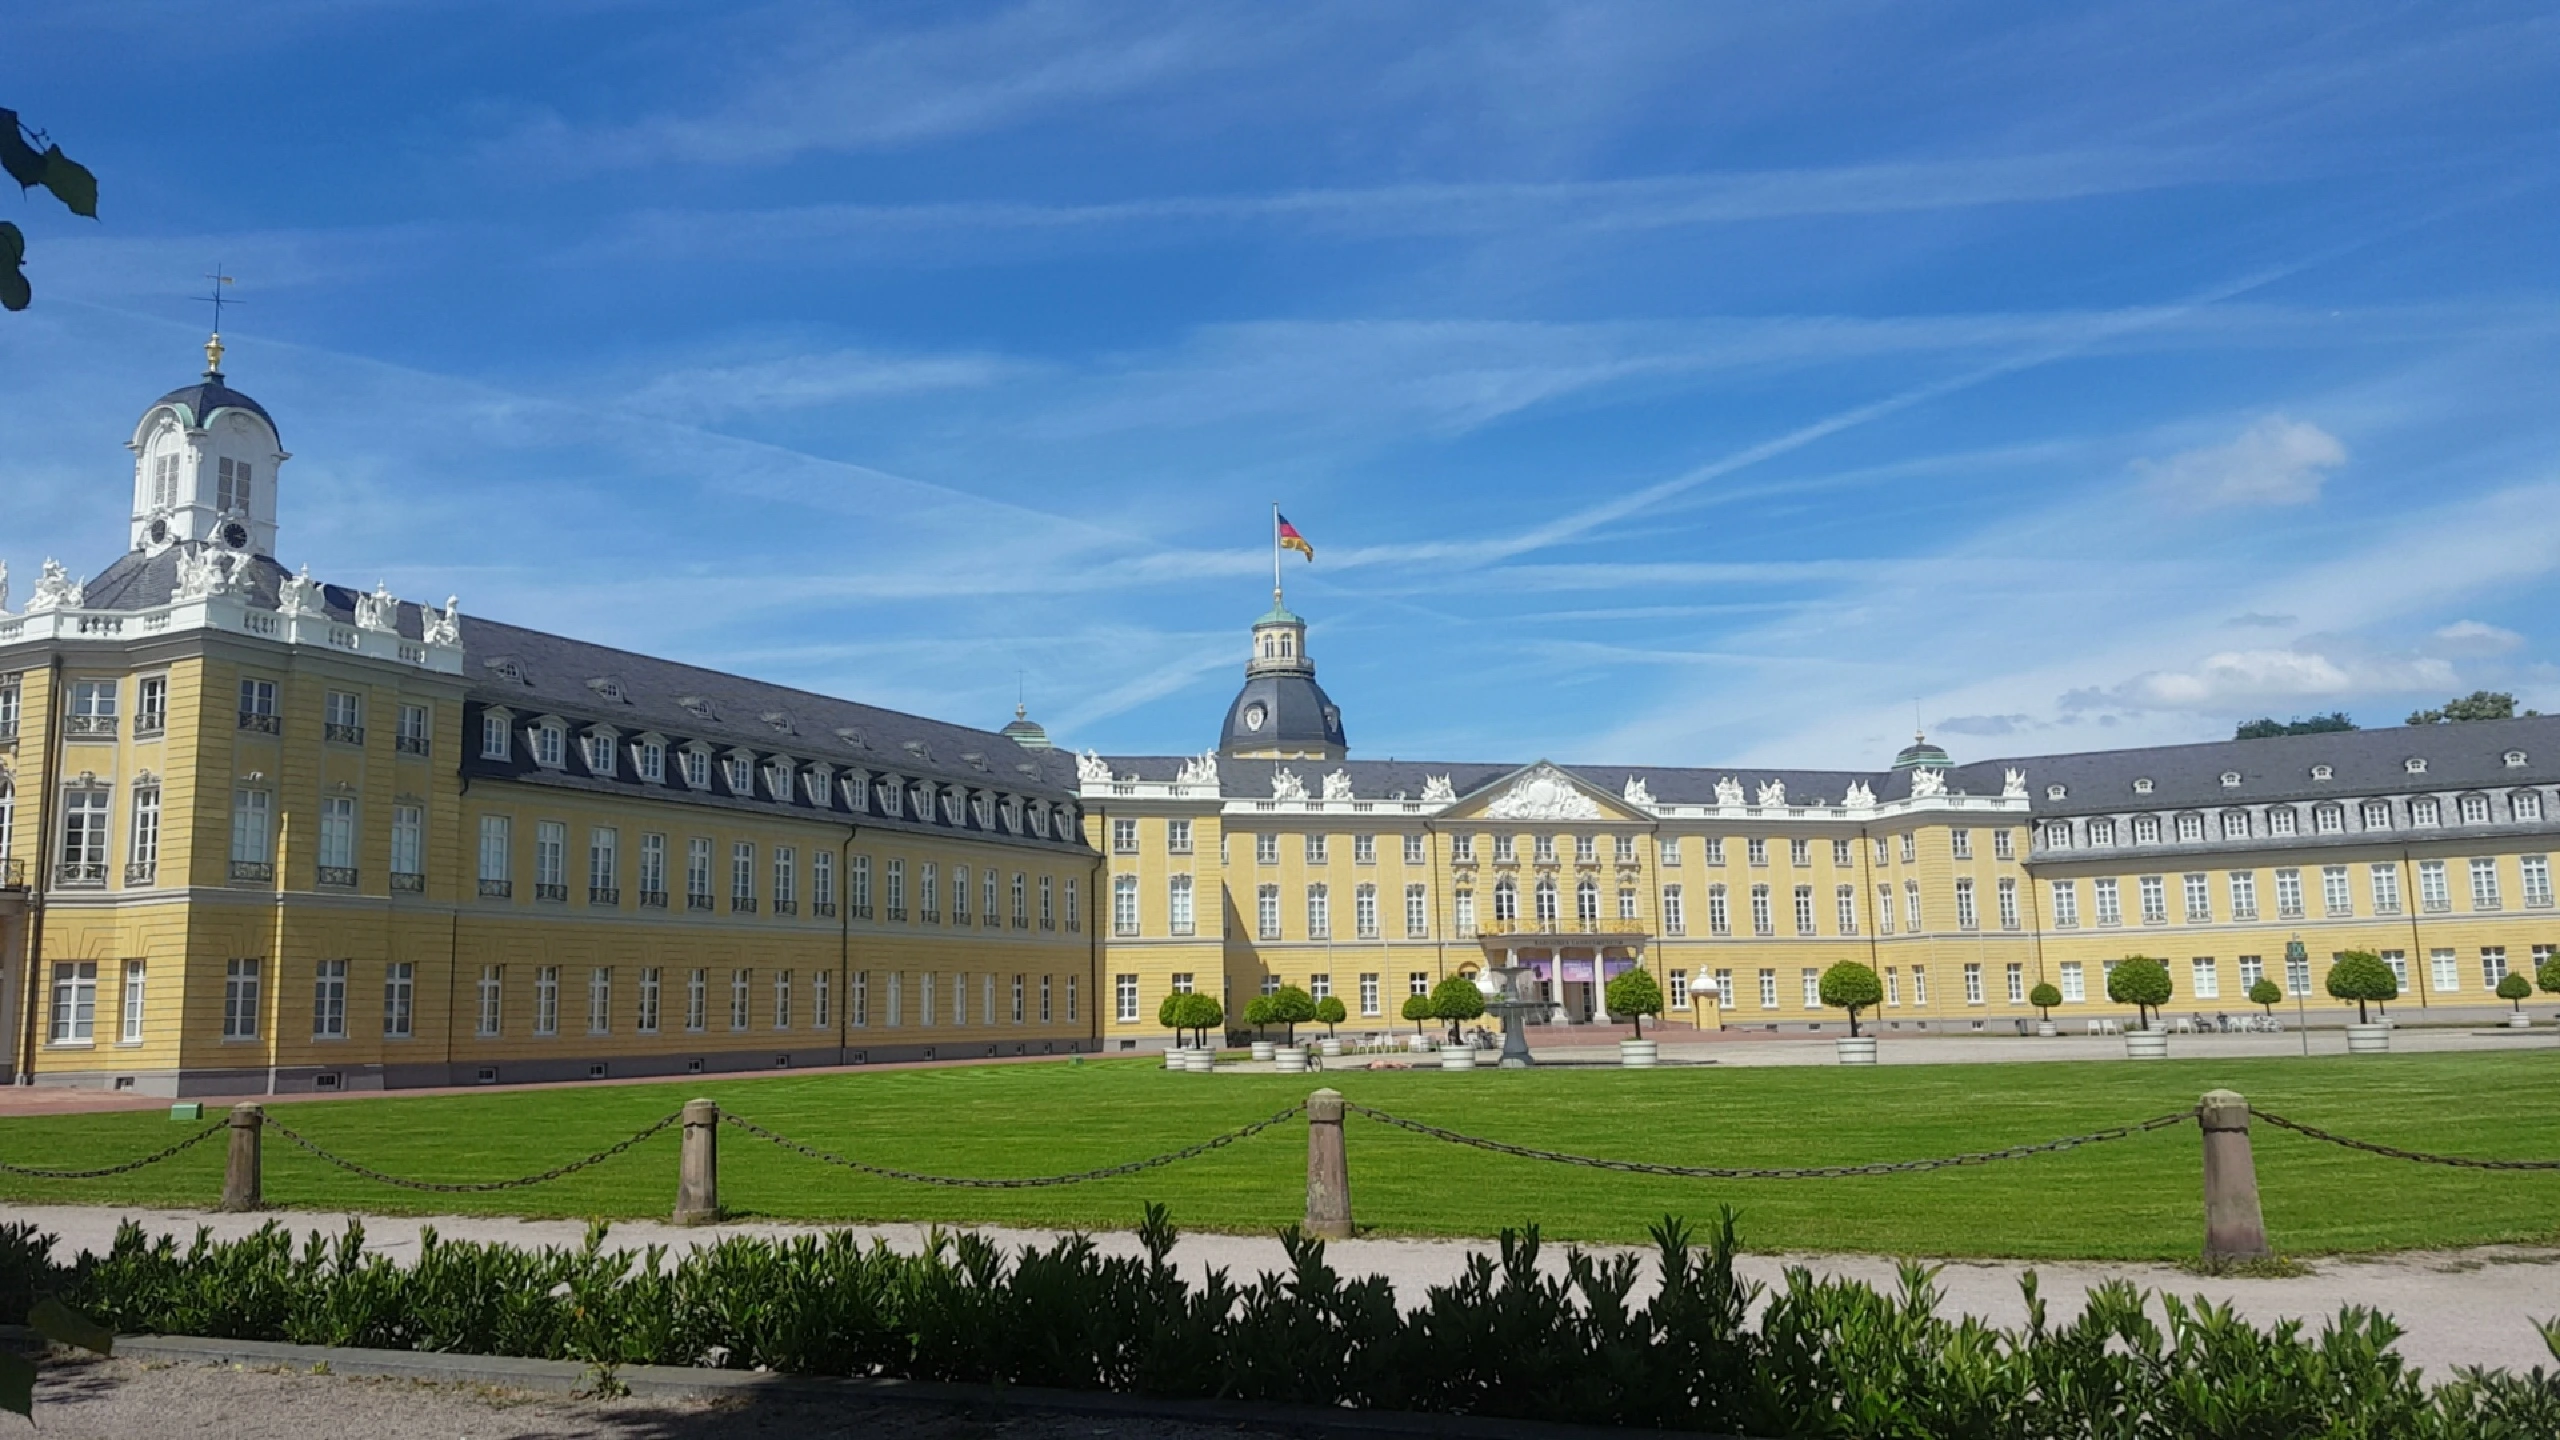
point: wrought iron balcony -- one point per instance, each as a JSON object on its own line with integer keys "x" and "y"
{"x": 823, "y": 909}
{"x": 410, "y": 745}
{"x": 146, "y": 726}
{"x": 262, "y": 723}
{"x": 497, "y": 889}
{"x": 742, "y": 904}
{"x": 90, "y": 727}
{"x": 557, "y": 894}
{"x": 653, "y": 899}
{"x": 408, "y": 882}
{"x": 604, "y": 895}
{"x": 141, "y": 873}
{"x": 786, "y": 907}
{"x": 80, "y": 875}
{"x": 342, "y": 734}
{"x": 336, "y": 877}
{"x": 698, "y": 902}
{"x": 259, "y": 872}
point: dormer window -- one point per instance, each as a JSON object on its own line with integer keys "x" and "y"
{"x": 2320, "y": 772}
{"x": 2526, "y": 804}
{"x": 651, "y": 757}
{"x": 697, "y": 707}
{"x": 2280, "y": 820}
{"x": 2425, "y": 811}
{"x": 2054, "y": 792}
{"x": 505, "y": 668}
{"x": 779, "y": 721}
{"x": 496, "y": 735}
{"x": 985, "y": 813}
{"x": 885, "y": 796}
{"x": 852, "y": 737}
{"x": 609, "y": 690}
{"x": 2230, "y": 779}
{"x": 231, "y": 485}
{"x": 818, "y": 784}
{"x": 2190, "y": 829}
{"x": 950, "y": 808}
{"x": 918, "y": 749}
{"x": 600, "y": 755}
{"x": 777, "y": 781}
{"x": 2515, "y": 759}
{"x": 742, "y": 776}
{"x": 2142, "y": 786}
{"x": 1040, "y": 821}
{"x": 2415, "y": 765}
{"x": 2146, "y": 829}
{"x": 697, "y": 769}
{"x": 550, "y": 746}
{"x": 2102, "y": 833}
{"x": 2475, "y": 809}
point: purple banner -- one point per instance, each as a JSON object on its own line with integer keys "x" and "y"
{"x": 1577, "y": 970}
{"x": 1616, "y": 965}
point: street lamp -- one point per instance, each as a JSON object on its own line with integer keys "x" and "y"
{"x": 2295, "y": 955}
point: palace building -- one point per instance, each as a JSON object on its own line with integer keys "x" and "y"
{"x": 260, "y": 832}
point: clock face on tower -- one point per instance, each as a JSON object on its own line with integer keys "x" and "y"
{"x": 1254, "y": 715}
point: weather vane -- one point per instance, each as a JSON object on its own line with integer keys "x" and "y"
{"x": 213, "y": 347}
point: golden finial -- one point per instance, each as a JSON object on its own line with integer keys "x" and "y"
{"x": 216, "y": 297}
{"x": 213, "y": 354}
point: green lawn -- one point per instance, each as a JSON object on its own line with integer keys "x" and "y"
{"x": 2136, "y": 1198}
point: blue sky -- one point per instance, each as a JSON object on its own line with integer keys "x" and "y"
{"x": 1664, "y": 384}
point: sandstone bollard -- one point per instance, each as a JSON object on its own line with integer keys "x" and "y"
{"x": 2233, "y": 1227}
{"x": 698, "y": 1172}
{"x": 1328, "y": 1169}
{"x": 242, "y": 1183}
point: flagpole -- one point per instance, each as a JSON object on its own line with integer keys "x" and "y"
{"x": 1275, "y": 554}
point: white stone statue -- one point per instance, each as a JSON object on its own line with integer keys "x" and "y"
{"x": 441, "y": 627}
{"x": 1200, "y": 769}
{"x": 1337, "y": 786}
{"x": 1092, "y": 769}
{"x": 1728, "y": 791}
{"x": 1773, "y": 792}
{"x": 1927, "y": 783}
{"x": 55, "y": 589}
{"x": 1545, "y": 793}
{"x": 1285, "y": 785}
{"x": 379, "y": 610}
{"x": 1637, "y": 792}
{"x": 2013, "y": 785}
{"x": 299, "y": 594}
{"x": 1436, "y": 790}
{"x": 202, "y": 574}
{"x": 1860, "y": 797}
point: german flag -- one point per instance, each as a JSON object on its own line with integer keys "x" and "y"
{"x": 1290, "y": 539}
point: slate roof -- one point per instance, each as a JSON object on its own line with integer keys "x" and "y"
{"x": 209, "y": 395}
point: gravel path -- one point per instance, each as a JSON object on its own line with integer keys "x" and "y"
{"x": 2471, "y": 1307}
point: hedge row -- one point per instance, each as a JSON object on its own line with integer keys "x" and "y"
{"x": 1823, "y": 1357}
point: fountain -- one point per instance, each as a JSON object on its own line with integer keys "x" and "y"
{"x": 1507, "y": 994}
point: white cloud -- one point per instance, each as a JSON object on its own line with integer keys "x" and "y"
{"x": 797, "y": 382}
{"x": 2274, "y": 462}
{"x": 2241, "y": 679}
{"x": 2475, "y": 637}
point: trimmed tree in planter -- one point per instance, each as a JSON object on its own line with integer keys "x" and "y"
{"x": 1291, "y": 1007}
{"x": 2361, "y": 976}
{"x": 2141, "y": 982}
{"x": 2267, "y": 995}
{"x": 2044, "y": 997}
{"x": 1852, "y": 987}
{"x": 2514, "y": 988}
{"x": 2547, "y": 978}
{"x": 1635, "y": 995}
{"x": 1174, "y": 1015}
{"x": 1329, "y": 1013}
{"x": 1258, "y": 1013}
{"x": 1203, "y": 1013}
{"x": 1456, "y": 1000}
{"x": 1417, "y": 1008}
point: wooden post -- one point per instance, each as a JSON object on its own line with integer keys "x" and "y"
{"x": 241, "y": 1182}
{"x": 698, "y": 1171}
{"x": 2233, "y": 1227}
{"x": 1328, "y": 1169}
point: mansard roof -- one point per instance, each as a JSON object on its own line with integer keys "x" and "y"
{"x": 209, "y": 397}
{"x": 534, "y": 672}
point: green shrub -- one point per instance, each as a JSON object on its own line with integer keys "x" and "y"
{"x": 2141, "y": 982}
{"x": 1456, "y": 1000}
{"x": 2546, "y": 977}
{"x": 2266, "y": 995}
{"x": 1417, "y": 1008}
{"x": 1635, "y": 995}
{"x": 1330, "y": 1012}
{"x": 2513, "y": 988}
{"x": 2360, "y": 975}
{"x": 1202, "y": 1013}
{"x": 1291, "y": 1007}
{"x": 2044, "y": 997}
{"x": 1259, "y": 1012}
{"x": 1853, "y": 987}
{"x": 1172, "y": 1013}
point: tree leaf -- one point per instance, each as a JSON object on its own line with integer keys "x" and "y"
{"x": 17, "y": 1383}
{"x": 71, "y": 183}
{"x": 14, "y": 290}
{"x": 16, "y": 156}
{"x": 62, "y": 1325}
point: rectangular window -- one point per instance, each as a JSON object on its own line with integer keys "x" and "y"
{"x": 1124, "y": 998}
{"x": 1315, "y": 845}
{"x": 1844, "y": 904}
{"x": 1804, "y": 910}
{"x": 2008, "y": 893}
{"x": 250, "y": 830}
{"x": 1675, "y": 915}
{"x": 893, "y": 1000}
{"x": 496, "y": 738}
{"x": 1177, "y": 836}
{"x": 93, "y": 707}
{"x": 2252, "y": 970}
{"x": 1812, "y": 981}
{"x": 1911, "y": 904}
{"x": 1017, "y": 999}
{"x": 546, "y": 1000}
{"x": 2424, "y": 812}
{"x": 697, "y": 873}
{"x": 2066, "y": 905}
{"x": 2484, "y": 884}
{"x": 150, "y": 706}
{"x": 1800, "y": 853}
{"x": 2433, "y": 893}
{"x": 1892, "y": 985}
{"x": 2493, "y": 965}
{"x": 1504, "y": 851}
{"x": 2074, "y": 987}
{"x": 142, "y": 848}
{"x": 1413, "y": 850}
{"x": 2244, "y": 895}
{"x": 741, "y": 986}
{"x": 1965, "y": 918}
{"x": 1762, "y": 921}
{"x": 1319, "y": 912}
{"x": 1044, "y": 999}
{"x": 1962, "y": 841}
{"x": 1369, "y": 992}
{"x": 550, "y": 860}
{"x": 1768, "y": 989}
{"x": 1884, "y": 909}
{"x": 1124, "y": 905}
{"x": 1179, "y": 917}
{"x": 2002, "y": 847}
{"x": 1267, "y": 912}
{"x": 2440, "y": 964}
{"x": 1364, "y": 849}
{"x": 782, "y": 999}
{"x": 329, "y": 1000}
{"x": 604, "y": 866}
{"x": 2017, "y": 977}
{"x": 2207, "y": 983}
{"x": 600, "y": 1000}
{"x": 231, "y": 484}
{"x": 1464, "y": 913}
{"x": 2537, "y": 880}
{"x": 742, "y": 878}
{"x": 1124, "y": 837}
{"x": 697, "y": 769}
{"x": 240, "y": 1000}
{"x": 1715, "y": 850}
{"x": 2155, "y": 900}
{"x": 75, "y": 1002}
{"x": 1462, "y": 849}
{"x": 399, "y": 999}
{"x": 2289, "y": 894}
{"x": 1919, "y": 986}
{"x": 2333, "y": 890}
{"x": 343, "y": 717}
{"x": 2297, "y": 976}
{"x": 786, "y": 879}
{"x": 653, "y": 869}
{"x": 1364, "y": 911}
{"x": 1048, "y": 912}
{"x": 1417, "y": 912}
{"x": 1972, "y": 983}
{"x": 697, "y": 998}
{"x": 1755, "y": 850}
{"x": 821, "y": 999}
{"x": 496, "y": 872}
{"x": 1266, "y": 849}
{"x": 492, "y": 994}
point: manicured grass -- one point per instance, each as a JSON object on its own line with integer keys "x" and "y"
{"x": 2134, "y": 1198}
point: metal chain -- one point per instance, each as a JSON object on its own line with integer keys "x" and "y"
{"x": 154, "y": 1158}
{"x": 1810, "y": 1172}
{"x": 1024, "y": 1183}
{"x": 471, "y": 1187}
{"x": 2393, "y": 1152}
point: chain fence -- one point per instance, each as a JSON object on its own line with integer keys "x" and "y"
{"x": 471, "y": 1187}
{"x": 1034, "y": 1182}
{"x": 1805, "y": 1172}
{"x": 35, "y": 1172}
{"x": 2459, "y": 1162}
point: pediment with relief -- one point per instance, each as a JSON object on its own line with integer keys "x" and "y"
{"x": 1546, "y": 792}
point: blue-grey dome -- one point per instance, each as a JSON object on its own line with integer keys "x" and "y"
{"x": 1287, "y": 713}
{"x": 208, "y": 396}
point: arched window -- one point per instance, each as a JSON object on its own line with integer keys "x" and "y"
{"x": 1546, "y": 902}
{"x": 1506, "y": 900}
{"x": 1586, "y": 902}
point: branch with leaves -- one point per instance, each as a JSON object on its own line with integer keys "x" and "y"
{"x": 32, "y": 159}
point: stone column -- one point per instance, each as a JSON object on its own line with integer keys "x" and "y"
{"x": 2233, "y": 1227}
{"x": 1328, "y": 1169}
{"x": 242, "y": 1187}
{"x": 698, "y": 1173}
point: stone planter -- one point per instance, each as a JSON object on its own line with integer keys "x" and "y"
{"x": 2374, "y": 1039}
{"x": 1329, "y": 1047}
{"x": 1262, "y": 1049}
{"x": 2518, "y": 1020}
{"x": 1199, "y": 1062}
{"x": 1290, "y": 1059}
{"x": 1173, "y": 1057}
{"x": 1457, "y": 1057}
{"x": 2044, "y": 1029}
{"x": 2146, "y": 1044}
{"x": 1639, "y": 1054}
{"x": 1856, "y": 1049}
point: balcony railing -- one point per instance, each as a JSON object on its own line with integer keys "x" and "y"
{"x": 410, "y": 745}
{"x": 147, "y": 725}
{"x": 90, "y": 727}
{"x": 556, "y": 894}
{"x": 262, "y": 723}
{"x": 343, "y": 734}
{"x": 80, "y": 875}
{"x": 699, "y": 902}
{"x": 259, "y": 872}
{"x": 497, "y": 889}
{"x": 823, "y": 909}
{"x": 141, "y": 874}
{"x": 336, "y": 877}
{"x": 1560, "y": 926}
{"x": 653, "y": 899}
{"x": 604, "y": 895}
{"x": 13, "y": 874}
{"x": 408, "y": 882}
